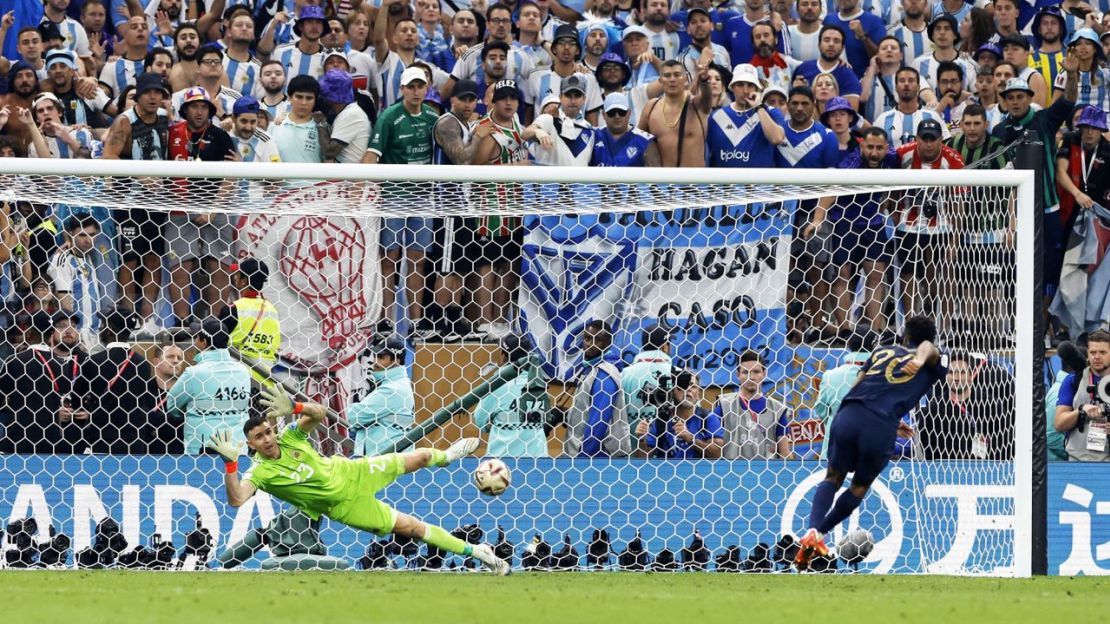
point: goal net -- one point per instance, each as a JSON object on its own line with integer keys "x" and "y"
{"x": 657, "y": 357}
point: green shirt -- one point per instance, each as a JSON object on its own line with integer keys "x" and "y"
{"x": 302, "y": 478}
{"x": 403, "y": 139}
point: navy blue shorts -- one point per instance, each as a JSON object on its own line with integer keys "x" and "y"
{"x": 860, "y": 442}
{"x": 852, "y": 245}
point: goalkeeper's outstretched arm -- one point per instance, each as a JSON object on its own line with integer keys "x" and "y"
{"x": 279, "y": 406}
{"x": 238, "y": 492}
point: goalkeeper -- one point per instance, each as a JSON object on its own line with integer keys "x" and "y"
{"x": 288, "y": 467}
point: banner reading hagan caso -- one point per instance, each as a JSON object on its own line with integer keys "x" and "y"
{"x": 719, "y": 276}
{"x": 924, "y": 516}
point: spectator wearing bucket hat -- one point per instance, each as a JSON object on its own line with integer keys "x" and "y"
{"x": 200, "y": 241}
{"x": 613, "y": 74}
{"x": 564, "y": 50}
{"x": 195, "y": 137}
{"x": 350, "y": 127}
{"x": 1050, "y": 31}
{"x": 1094, "y": 76}
{"x": 840, "y": 118}
{"x": 944, "y": 32}
{"x": 732, "y": 140}
{"x": 636, "y": 41}
{"x": 305, "y": 57}
{"x": 1036, "y": 130}
{"x": 1083, "y": 163}
{"x": 252, "y": 143}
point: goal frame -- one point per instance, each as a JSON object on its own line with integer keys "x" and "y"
{"x": 1030, "y": 500}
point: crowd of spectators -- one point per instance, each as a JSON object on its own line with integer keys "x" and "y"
{"x": 740, "y": 83}
{"x": 913, "y": 84}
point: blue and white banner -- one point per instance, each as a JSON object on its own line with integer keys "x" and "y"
{"x": 1078, "y": 518}
{"x": 924, "y": 516}
{"x": 717, "y": 275}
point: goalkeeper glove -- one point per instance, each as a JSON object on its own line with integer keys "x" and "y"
{"x": 225, "y": 446}
{"x": 278, "y": 404}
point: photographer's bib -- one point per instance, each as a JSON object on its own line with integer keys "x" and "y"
{"x": 1089, "y": 444}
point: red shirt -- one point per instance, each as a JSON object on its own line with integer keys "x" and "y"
{"x": 909, "y": 216}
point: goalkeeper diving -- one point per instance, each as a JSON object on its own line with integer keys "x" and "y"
{"x": 288, "y": 467}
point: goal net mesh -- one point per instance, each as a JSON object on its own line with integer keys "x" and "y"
{"x": 658, "y": 365}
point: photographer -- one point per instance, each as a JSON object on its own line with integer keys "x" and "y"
{"x": 757, "y": 425}
{"x": 681, "y": 428}
{"x": 1084, "y": 404}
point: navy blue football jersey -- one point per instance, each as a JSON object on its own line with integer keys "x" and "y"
{"x": 886, "y": 390}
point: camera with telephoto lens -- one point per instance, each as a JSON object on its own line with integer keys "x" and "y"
{"x": 660, "y": 394}
{"x": 1100, "y": 397}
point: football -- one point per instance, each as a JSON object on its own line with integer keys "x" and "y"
{"x": 492, "y": 477}
{"x": 855, "y": 546}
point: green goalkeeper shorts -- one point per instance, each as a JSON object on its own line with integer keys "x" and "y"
{"x": 363, "y": 510}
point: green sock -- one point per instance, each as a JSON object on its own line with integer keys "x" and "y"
{"x": 439, "y": 458}
{"x": 443, "y": 540}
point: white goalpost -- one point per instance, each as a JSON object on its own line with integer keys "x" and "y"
{"x": 723, "y": 259}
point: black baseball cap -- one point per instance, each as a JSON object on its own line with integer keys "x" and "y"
{"x": 465, "y": 87}
{"x": 930, "y": 128}
{"x": 1015, "y": 40}
{"x": 690, "y": 13}
{"x": 505, "y": 89}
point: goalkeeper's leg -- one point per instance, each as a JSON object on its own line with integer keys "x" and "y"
{"x": 407, "y": 526}
{"x": 422, "y": 458}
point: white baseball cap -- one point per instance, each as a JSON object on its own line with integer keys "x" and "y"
{"x": 745, "y": 72}
{"x": 413, "y": 73}
{"x": 635, "y": 29}
{"x": 616, "y": 101}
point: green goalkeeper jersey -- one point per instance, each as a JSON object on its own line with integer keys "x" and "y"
{"x": 304, "y": 479}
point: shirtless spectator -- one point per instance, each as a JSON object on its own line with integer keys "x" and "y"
{"x": 678, "y": 118}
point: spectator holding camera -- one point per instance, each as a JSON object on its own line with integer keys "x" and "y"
{"x": 683, "y": 429}
{"x": 1081, "y": 413}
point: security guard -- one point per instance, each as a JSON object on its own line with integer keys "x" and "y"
{"x": 214, "y": 393}
{"x": 383, "y": 416}
{"x": 252, "y": 321}
{"x": 515, "y": 421}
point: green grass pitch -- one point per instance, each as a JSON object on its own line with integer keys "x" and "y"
{"x": 119, "y": 597}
